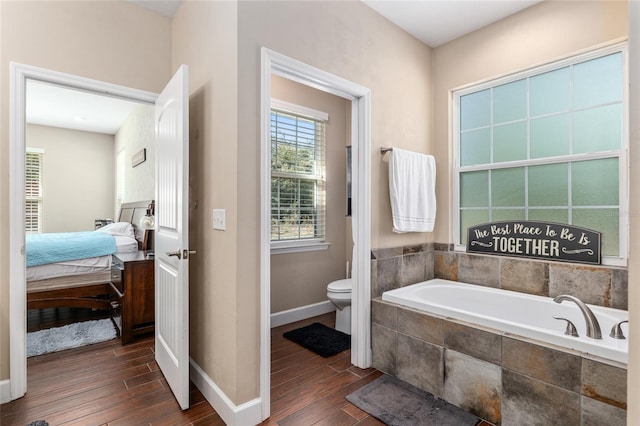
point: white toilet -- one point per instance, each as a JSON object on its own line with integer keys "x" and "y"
{"x": 339, "y": 293}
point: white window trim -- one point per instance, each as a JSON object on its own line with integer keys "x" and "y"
{"x": 299, "y": 110}
{"x": 309, "y": 244}
{"x": 622, "y": 154}
{"x": 298, "y": 246}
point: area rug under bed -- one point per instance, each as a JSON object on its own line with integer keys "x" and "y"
{"x": 397, "y": 403}
{"x": 70, "y": 336}
{"x": 323, "y": 340}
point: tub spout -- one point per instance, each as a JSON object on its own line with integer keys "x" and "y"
{"x": 593, "y": 327}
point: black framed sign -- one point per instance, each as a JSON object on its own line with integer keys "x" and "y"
{"x": 540, "y": 240}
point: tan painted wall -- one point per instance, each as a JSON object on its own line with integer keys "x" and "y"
{"x": 633, "y": 373}
{"x": 300, "y": 279}
{"x": 115, "y": 42}
{"x": 205, "y": 38}
{"x": 221, "y": 43}
{"x": 137, "y": 133}
{"x": 347, "y": 39}
{"x": 78, "y": 177}
{"x": 545, "y": 32}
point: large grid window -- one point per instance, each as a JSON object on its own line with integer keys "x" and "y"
{"x": 297, "y": 176}
{"x": 548, "y": 144}
{"x": 33, "y": 190}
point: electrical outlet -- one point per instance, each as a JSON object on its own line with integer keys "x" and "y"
{"x": 219, "y": 221}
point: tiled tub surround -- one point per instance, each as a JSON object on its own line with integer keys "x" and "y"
{"x": 521, "y": 314}
{"x": 503, "y": 378}
{"x": 597, "y": 285}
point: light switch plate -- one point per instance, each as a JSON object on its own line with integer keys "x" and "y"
{"x": 219, "y": 221}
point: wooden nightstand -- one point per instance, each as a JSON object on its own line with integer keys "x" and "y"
{"x": 132, "y": 285}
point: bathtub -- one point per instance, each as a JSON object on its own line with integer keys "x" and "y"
{"x": 515, "y": 313}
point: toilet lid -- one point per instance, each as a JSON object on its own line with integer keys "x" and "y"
{"x": 340, "y": 286}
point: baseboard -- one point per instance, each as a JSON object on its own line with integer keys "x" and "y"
{"x": 301, "y": 313}
{"x": 249, "y": 413}
{"x": 5, "y": 391}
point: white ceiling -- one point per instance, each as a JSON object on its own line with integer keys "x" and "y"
{"x": 57, "y": 106}
{"x": 434, "y": 22}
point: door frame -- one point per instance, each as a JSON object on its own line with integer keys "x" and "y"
{"x": 276, "y": 63}
{"x": 19, "y": 74}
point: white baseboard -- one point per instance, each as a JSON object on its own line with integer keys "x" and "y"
{"x": 249, "y": 413}
{"x": 301, "y": 313}
{"x": 5, "y": 391}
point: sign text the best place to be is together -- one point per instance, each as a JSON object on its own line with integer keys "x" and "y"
{"x": 542, "y": 240}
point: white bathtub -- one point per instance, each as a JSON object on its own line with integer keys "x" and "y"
{"x": 516, "y": 313}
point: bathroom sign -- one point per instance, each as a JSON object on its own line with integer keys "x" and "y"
{"x": 541, "y": 240}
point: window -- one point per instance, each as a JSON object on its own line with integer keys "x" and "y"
{"x": 548, "y": 144}
{"x": 33, "y": 190}
{"x": 297, "y": 178}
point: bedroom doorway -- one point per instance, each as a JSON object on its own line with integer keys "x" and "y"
{"x": 20, "y": 76}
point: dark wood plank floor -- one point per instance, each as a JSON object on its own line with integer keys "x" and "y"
{"x": 110, "y": 384}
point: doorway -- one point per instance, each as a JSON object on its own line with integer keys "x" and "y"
{"x": 20, "y": 76}
{"x": 274, "y": 63}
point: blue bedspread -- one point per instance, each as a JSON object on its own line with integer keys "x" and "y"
{"x": 59, "y": 247}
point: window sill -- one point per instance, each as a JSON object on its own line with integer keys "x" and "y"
{"x": 285, "y": 247}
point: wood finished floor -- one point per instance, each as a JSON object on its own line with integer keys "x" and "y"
{"x": 110, "y": 384}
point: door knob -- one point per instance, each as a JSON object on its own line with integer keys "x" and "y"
{"x": 176, "y": 253}
{"x": 186, "y": 253}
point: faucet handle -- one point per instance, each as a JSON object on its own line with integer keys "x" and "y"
{"x": 571, "y": 329}
{"x": 616, "y": 330}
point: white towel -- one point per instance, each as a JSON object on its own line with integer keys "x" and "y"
{"x": 412, "y": 189}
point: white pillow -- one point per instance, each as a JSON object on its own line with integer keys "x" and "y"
{"x": 118, "y": 228}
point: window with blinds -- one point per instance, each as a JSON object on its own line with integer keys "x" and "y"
{"x": 297, "y": 175}
{"x": 33, "y": 191}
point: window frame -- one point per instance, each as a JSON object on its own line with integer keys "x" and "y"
{"x": 301, "y": 244}
{"x": 621, "y": 154}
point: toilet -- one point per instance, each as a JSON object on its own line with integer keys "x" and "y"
{"x": 339, "y": 293}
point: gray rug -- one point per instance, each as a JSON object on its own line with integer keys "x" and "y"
{"x": 397, "y": 403}
{"x": 70, "y": 336}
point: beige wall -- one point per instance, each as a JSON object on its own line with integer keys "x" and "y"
{"x": 115, "y": 42}
{"x": 347, "y": 39}
{"x": 633, "y": 384}
{"x": 137, "y": 133}
{"x": 545, "y": 32}
{"x": 221, "y": 42}
{"x": 78, "y": 177}
{"x": 300, "y": 279}
{"x": 205, "y": 37}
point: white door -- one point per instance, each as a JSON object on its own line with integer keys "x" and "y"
{"x": 172, "y": 234}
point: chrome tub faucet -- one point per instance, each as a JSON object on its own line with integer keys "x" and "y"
{"x": 593, "y": 327}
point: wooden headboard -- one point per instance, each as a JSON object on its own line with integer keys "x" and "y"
{"x": 132, "y": 213}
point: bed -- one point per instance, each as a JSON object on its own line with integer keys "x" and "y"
{"x": 54, "y": 280}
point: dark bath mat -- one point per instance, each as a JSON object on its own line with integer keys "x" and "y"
{"x": 323, "y": 340}
{"x": 38, "y": 423}
{"x": 397, "y": 403}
